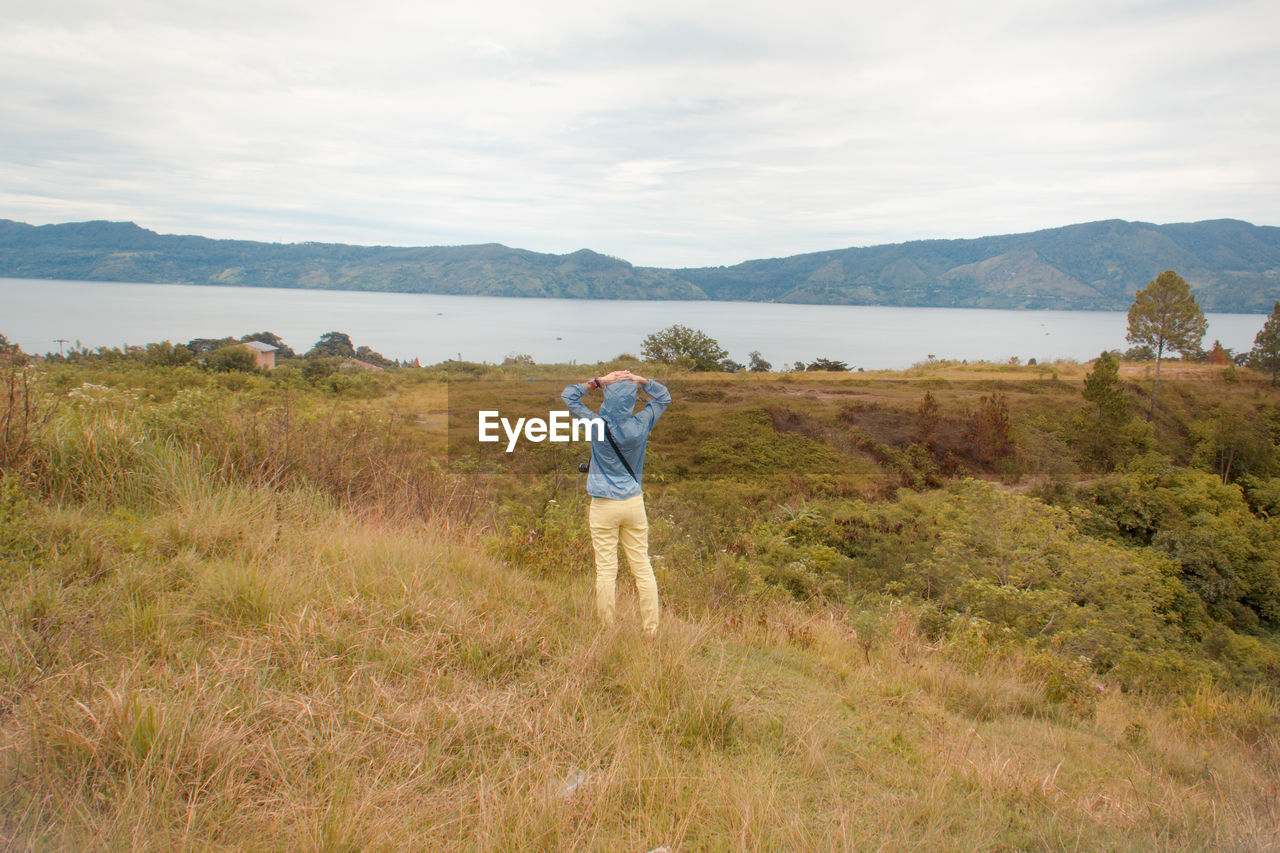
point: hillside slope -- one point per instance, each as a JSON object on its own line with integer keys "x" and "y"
{"x": 238, "y": 612}
{"x": 181, "y": 675}
{"x": 1231, "y": 265}
{"x": 121, "y": 251}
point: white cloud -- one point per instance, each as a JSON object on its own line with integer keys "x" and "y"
{"x": 671, "y": 133}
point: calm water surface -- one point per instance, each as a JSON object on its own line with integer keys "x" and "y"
{"x": 433, "y": 328}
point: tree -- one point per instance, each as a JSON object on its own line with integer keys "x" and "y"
{"x": 367, "y": 354}
{"x": 1219, "y": 355}
{"x": 684, "y": 347}
{"x": 316, "y": 369}
{"x": 759, "y": 365}
{"x": 827, "y": 364}
{"x": 333, "y": 344}
{"x": 1265, "y": 354}
{"x": 1102, "y": 389}
{"x": 201, "y": 346}
{"x": 11, "y": 351}
{"x": 1165, "y": 316}
{"x": 1234, "y": 444}
{"x": 232, "y": 357}
{"x": 990, "y": 431}
{"x": 515, "y": 358}
{"x": 927, "y": 422}
{"x": 165, "y": 354}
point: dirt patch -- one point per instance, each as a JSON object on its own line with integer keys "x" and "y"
{"x": 836, "y": 395}
{"x": 1198, "y": 372}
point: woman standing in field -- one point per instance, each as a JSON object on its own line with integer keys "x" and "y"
{"x": 617, "y": 513}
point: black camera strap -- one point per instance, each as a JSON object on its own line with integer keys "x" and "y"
{"x": 625, "y": 463}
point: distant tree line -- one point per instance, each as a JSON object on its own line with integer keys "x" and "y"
{"x": 1080, "y": 267}
{"x": 1164, "y": 318}
{"x": 691, "y": 349}
{"x": 228, "y": 354}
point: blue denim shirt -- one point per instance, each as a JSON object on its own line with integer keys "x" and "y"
{"x": 608, "y": 477}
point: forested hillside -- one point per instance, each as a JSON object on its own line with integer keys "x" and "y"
{"x": 1231, "y": 266}
{"x": 121, "y": 251}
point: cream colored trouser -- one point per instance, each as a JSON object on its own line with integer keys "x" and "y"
{"x": 624, "y": 521}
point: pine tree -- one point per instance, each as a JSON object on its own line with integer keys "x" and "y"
{"x": 1266, "y": 346}
{"x": 1102, "y": 389}
{"x": 1165, "y": 316}
{"x": 927, "y": 421}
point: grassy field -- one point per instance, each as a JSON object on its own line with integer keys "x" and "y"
{"x": 245, "y": 616}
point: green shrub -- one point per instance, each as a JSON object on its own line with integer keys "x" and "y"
{"x": 552, "y": 541}
{"x": 1226, "y": 555}
{"x": 233, "y": 357}
{"x": 748, "y": 444}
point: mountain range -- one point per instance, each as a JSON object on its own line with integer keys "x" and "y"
{"x": 1232, "y": 266}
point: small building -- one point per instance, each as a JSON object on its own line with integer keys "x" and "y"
{"x": 264, "y": 355}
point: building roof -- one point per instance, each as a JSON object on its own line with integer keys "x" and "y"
{"x": 260, "y": 346}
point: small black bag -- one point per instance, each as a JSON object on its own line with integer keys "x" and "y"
{"x": 584, "y": 467}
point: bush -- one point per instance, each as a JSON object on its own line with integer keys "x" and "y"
{"x": 315, "y": 370}
{"x": 684, "y": 347}
{"x": 165, "y": 354}
{"x": 749, "y": 444}
{"x": 1226, "y": 555}
{"x": 553, "y": 541}
{"x": 234, "y": 357}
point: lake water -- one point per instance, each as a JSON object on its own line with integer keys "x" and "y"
{"x": 433, "y": 328}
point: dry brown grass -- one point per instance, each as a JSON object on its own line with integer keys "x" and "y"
{"x": 341, "y": 684}
{"x": 239, "y": 666}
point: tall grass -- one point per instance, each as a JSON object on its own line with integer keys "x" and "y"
{"x": 244, "y": 668}
{"x": 24, "y": 412}
{"x": 225, "y": 630}
{"x": 108, "y": 446}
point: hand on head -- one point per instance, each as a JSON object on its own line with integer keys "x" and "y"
{"x": 622, "y": 376}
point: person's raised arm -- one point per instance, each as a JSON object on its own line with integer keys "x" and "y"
{"x": 659, "y": 396}
{"x": 572, "y": 396}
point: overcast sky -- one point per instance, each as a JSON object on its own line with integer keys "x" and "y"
{"x": 667, "y": 133}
